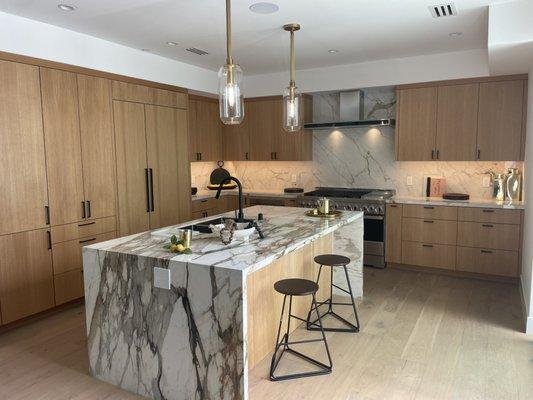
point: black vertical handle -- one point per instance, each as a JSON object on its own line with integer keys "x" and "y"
{"x": 200, "y": 156}
{"x": 49, "y": 238}
{"x": 83, "y": 214}
{"x": 246, "y": 156}
{"x": 88, "y": 209}
{"x": 478, "y": 154}
{"x": 432, "y": 154}
{"x": 152, "y": 208}
{"x": 438, "y": 152}
{"x": 147, "y": 190}
{"x": 47, "y": 215}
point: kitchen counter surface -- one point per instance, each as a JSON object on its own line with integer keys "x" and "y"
{"x": 479, "y": 203}
{"x": 285, "y": 228}
{"x": 208, "y": 194}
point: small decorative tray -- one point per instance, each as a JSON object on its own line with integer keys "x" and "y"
{"x": 317, "y": 214}
{"x": 224, "y": 187}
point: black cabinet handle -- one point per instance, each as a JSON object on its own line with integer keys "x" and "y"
{"x": 49, "y": 238}
{"x": 88, "y": 223}
{"x": 478, "y": 154}
{"x": 246, "y": 156}
{"x": 272, "y": 155}
{"x": 427, "y": 245}
{"x": 488, "y": 226}
{"x": 88, "y": 209}
{"x": 47, "y": 215}
{"x": 151, "y": 171}
{"x": 428, "y": 221}
{"x": 488, "y": 211}
{"x": 200, "y": 156}
{"x": 147, "y": 179}
{"x": 438, "y": 152}
{"x": 87, "y": 240}
{"x": 486, "y": 251}
{"x": 432, "y": 154}
{"x": 83, "y": 214}
{"x": 429, "y": 207}
{"x": 393, "y": 205}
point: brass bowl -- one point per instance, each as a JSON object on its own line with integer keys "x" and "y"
{"x": 317, "y": 214}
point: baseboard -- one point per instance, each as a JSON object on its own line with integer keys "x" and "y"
{"x": 528, "y": 320}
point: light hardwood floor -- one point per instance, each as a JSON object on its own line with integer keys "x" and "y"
{"x": 424, "y": 336}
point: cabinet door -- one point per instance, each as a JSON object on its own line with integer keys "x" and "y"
{"x": 208, "y": 130}
{"x": 166, "y": 133}
{"x": 457, "y": 122}
{"x": 63, "y": 147}
{"x": 132, "y": 170}
{"x": 500, "y": 120}
{"x": 193, "y": 148}
{"x": 417, "y": 124}
{"x": 24, "y": 167}
{"x": 264, "y": 119}
{"x": 26, "y": 280}
{"x": 236, "y": 140}
{"x": 393, "y": 233}
{"x": 96, "y": 126}
{"x": 293, "y": 146}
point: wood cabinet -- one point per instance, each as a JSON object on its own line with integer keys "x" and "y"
{"x": 236, "y": 139}
{"x": 484, "y": 241}
{"x": 23, "y": 181}
{"x": 462, "y": 120}
{"x": 416, "y": 124}
{"x": 457, "y": 122}
{"x": 63, "y": 146}
{"x": 26, "y": 278}
{"x": 152, "y": 166}
{"x": 205, "y": 130}
{"x": 500, "y": 120}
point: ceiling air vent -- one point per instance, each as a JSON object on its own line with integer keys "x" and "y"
{"x": 197, "y": 51}
{"x": 443, "y": 10}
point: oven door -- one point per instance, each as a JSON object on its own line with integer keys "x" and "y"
{"x": 374, "y": 247}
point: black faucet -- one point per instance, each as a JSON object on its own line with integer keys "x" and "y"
{"x": 240, "y": 216}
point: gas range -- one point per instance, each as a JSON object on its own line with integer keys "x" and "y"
{"x": 370, "y": 201}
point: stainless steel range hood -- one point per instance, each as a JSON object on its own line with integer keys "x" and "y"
{"x": 351, "y": 114}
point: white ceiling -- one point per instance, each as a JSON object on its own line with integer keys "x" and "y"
{"x": 362, "y": 30}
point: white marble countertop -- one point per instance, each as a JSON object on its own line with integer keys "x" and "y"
{"x": 479, "y": 203}
{"x": 285, "y": 228}
{"x": 207, "y": 194}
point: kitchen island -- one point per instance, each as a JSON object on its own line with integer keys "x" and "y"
{"x": 198, "y": 339}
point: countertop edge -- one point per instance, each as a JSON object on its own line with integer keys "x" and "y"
{"x": 473, "y": 203}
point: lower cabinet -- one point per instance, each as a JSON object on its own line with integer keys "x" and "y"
{"x": 26, "y": 274}
{"x": 476, "y": 240}
{"x": 206, "y": 207}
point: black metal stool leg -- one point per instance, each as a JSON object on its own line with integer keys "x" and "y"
{"x": 274, "y": 362}
{"x": 351, "y": 296}
{"x": 308, "y": 323}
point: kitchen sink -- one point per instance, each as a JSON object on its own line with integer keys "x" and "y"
{"x": 203, "y": 226}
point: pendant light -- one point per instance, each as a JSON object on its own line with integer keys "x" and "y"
{"x": 292, "y": 99}
{"x": 230, "y": 79}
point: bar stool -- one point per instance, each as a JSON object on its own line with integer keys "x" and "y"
{"x": 297, "y": 287}
{"x": 334, "y": 260}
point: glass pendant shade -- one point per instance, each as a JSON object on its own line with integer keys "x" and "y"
{"x": 230, "y": 97}
{"x": 292, "y": 106}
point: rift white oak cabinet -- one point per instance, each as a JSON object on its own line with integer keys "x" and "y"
{"x": 462, "y": 120}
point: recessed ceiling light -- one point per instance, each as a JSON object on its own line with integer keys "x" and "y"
{"x": 172, "y": 43}
{"x": 264, "y": 8}
{"x": 66, "y": 7}
{"x": 455, "y": 34}
{"x": 333, "y": 51}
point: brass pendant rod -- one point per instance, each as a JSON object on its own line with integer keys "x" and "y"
{"x": 293, "y": 61}
{"x": 229, "y": 60}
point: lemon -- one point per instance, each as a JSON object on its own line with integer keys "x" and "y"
{"x": 174, "y": 248}
{"x": 180, "y": 247}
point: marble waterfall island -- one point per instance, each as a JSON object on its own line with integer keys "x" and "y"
{"x": 198, "y": 339}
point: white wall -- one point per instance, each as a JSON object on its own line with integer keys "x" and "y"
{"x": 527, "y": 256}
{"x": 464, "y": 64}
{"x": 36, "y": 39}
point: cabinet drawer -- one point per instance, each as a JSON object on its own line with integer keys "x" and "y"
{"x": 428, "y": 255}
{"x": 489, "y": 236}
{"x": 497, "y": 216}
{"x": 429, "y": 231}
{"x": 67, "y": 256}
{"x": 205, "y": 204}
{"x": 68, "y": 286}
{"x": 430, "y": 212}
{"x": 486, "y": 261}
{"x": 84, "y": 229}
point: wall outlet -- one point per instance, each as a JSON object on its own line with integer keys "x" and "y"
{"x": 486, "y": 181}
{"x": 294, "y": 178}
{"x": 409, "y": 180}
{"x": 162, "y": 278}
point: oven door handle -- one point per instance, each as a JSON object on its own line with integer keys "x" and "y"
{"x": 375, "y": 217}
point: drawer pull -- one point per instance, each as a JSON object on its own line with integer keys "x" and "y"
{"x": 87, "y": 224}
{"x": 488, "y": 211}
{"x": 427, "y": 245}
{"x": 429, "y": 207}
{"x": 487, "y": 226}
{"x": 428, "y": 222}
{"x": 49, "y": 239}
{"x": 87, "y": 240}
{"x": 486, "y": 251}
{"x": 393, "y": 205}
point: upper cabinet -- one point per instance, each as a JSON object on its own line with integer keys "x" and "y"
{"x": 474, "y": 119}
{"x": 205, "y": 130}
{"x": 500, "y": 129}
{"x": 24, "y": 196}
